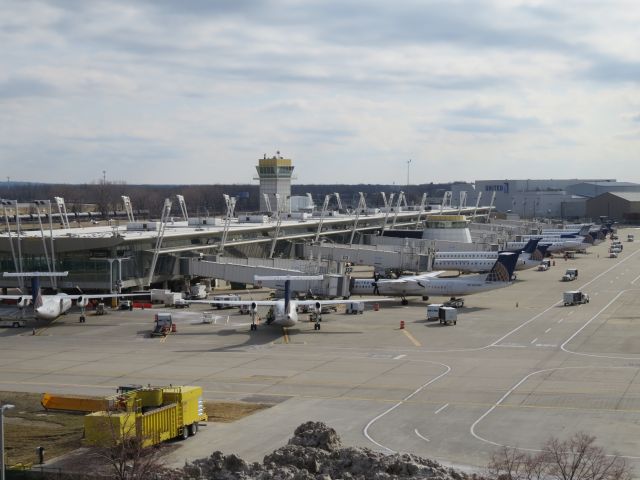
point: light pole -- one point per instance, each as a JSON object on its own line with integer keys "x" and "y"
{"x": 2, "y": 409}
{"x": 408, "y": 163}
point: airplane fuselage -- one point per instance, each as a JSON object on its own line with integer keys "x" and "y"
{"x": 453, "y": 287}
{"x": 52, "y": 306}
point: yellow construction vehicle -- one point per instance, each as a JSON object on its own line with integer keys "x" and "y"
{"x": 152, "y": 414}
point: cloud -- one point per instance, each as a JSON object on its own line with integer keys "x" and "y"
{"x": 25, "y": 87}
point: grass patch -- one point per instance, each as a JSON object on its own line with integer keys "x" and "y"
{"x": 226, "y": 412}
{"x": 29, "y": 426}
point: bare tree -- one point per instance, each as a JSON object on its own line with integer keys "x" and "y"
{"x": 123, "y": 450}
{"x": 577, "y": 458}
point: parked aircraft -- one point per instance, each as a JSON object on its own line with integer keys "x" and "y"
{"x": 431, "y": 283}
{"x": 477, "y": 262}
{"x": 50, "y": 307}
{"x": 285, "y": 310}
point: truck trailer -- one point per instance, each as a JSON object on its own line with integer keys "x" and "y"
{"x": 152, "y": 415}
{"x": 575, "y": 297}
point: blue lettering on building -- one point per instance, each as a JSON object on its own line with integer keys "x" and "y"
{"x": 504, "y": 188}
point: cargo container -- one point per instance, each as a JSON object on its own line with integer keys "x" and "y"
{"x": 152, "y": 415}
{"x": 433, "y": 311}
{"x": 448, "y": 315}
{"x": 354, "y": 308}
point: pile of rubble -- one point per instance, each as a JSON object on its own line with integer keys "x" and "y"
{"x": 316, "y": 453}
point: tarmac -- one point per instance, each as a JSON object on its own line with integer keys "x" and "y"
{"x": 518, "y": 367}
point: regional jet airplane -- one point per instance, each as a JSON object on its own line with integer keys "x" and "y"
{"x": 477, "y": 262}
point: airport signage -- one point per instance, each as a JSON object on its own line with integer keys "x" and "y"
{"x": 500, "y": 187}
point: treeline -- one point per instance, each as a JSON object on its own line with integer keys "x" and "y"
{"x": 201, "y": 200}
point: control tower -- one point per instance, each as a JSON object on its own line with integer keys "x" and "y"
{"x": 275, "y": 177}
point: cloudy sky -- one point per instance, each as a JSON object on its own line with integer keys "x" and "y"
{"x": 195, "y": 91}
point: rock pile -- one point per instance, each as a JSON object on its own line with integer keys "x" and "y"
{"x": 316, "y": 453}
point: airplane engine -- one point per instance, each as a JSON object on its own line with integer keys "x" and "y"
{"x": 318, "y": 308}
{"x": 82, "y": 301}
{"x": 23, "y": 302}
{"x": 254, "y": 308}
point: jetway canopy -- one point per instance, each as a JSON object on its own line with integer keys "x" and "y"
{"x": 378, "y": 258}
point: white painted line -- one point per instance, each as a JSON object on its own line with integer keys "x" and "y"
{"x": 510, "y": 345}
{"x": 472, "y": 430}
{"x": 572, "y": 312}
{"x": 441, "y": 409}
{"x": 561, "y": 320}
{"x": 635, "y": 280}
{"x": 548, "y": 345}
{"x": 547, "y": 330}
{"x": 534, "y": 340}
{"x": 365, "y": 430}
{"x": 398, "y": 357}
{"x": 418, "y": 434}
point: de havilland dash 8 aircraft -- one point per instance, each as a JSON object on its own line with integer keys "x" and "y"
{"x": 430, "y": 283}
{"x": 285, "y": 310}
{"x": 50, "y": 307}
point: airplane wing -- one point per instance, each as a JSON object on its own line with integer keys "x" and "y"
{"x": 13, "y": 297}
{"x": 343, "y": 302}
{"x": 235, "y": 303}
{"x": 91, "y": 296}
{"x": 435, "y": 273}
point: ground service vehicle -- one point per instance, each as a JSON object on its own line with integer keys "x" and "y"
{"x": 630, "y": 237}
{"x": 15, "y": 323}
{"x": 448, "y": 315}
{"x": 355, "y": 308}
{"x": 575, "y": 297}
{"x": 152, "y": 414}
{"x": 454, "y": 303}
{"x": 544, "y": 265}
{"x": 181, "y": 303}
{"x": 433, "y": 311}
{"x": 164, "y": 325}
{"x": 229, "y": 297}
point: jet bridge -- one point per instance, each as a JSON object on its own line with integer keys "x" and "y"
{"x": 380, "y": 258}
{"x": 243, "y": 270}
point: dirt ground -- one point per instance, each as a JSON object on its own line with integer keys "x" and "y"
{"x": 29, "y": 425}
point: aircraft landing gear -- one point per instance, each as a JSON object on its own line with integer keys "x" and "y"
{"x": 82, "y": 319}
{"x": 318, "y": 318}
{"x": 404, "y": 301}
{"x": 254, "y": 325}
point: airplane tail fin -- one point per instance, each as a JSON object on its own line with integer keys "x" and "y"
{"x": 584, "y": 230}
{"x": 502, "y": 270}
{"x": 36, "y": 297}
{"x": 540, "y": 252}
{"x": 287, "y": 295}
{"x": 531, "y": 245}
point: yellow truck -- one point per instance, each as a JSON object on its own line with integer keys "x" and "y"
{"x": 151, "y": 414}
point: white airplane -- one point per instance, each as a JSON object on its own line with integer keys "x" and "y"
{"x": 554, "y": 244}
{"x": 50, "y": 307}
{"x": 431, "y": 284}
{"x": 285, "y": 310}
{"x": 477, "y": 262}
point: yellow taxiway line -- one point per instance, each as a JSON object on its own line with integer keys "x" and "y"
{"x": 411, "y": 337}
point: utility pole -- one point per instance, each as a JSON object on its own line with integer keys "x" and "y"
{"x": 408, "y": 163}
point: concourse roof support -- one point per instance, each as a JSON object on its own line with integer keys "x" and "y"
{"x": 17, "y": 261}
{"x": 183, "y": 207}
{"x": 475, "y": 210}
{"x": 62, "y": 210}
{"x": 362, "y": 205}
{"x": 398, "y": 205}
{"x": 276, "y": 233}
{"x": 50, "y": 261}
{"x": 387, "y": 208}
{"x": 126, "y": 201}
{"x": 166, "y": 211}
{"x": 325, "y": 206}
{"x": 230, "y": 202}
{"x": 423, "y": 204}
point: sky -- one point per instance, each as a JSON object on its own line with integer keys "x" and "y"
{"x": 196, "y": 91}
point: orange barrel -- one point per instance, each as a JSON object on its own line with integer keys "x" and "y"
{"x": 401, "y": 324}
{"x": 173, "y": 327}
{"x": 376, "y": 307}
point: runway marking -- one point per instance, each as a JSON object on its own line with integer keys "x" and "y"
{"x": 635, "y": 280}
{"x": 285, "y": 334}
{"x": 509, "y": 392}
{"x": 547, "y": 330}
{"x": 557, "y": 303}
{"x": 398, "y": 357}
{"x": 164, "y": 339}
{"x": 441, "y": 409}
{"x": 365, "y": 431}
{"x": 412, "y": 338}
{"x": 561, "y": 320}
{"x": 511, "y": 345}
{"x": 418, "y": 434}
{"x": 563, "y": 346}
{"x": 571, "y": 312}
{"x": 534, "y": 340}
